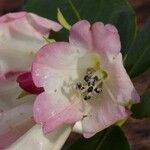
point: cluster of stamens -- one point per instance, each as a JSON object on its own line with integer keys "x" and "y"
{"x": 90, "y": 86}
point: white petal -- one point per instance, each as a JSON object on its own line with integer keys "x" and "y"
{"x": 9, "y": 91}
{"x": 34, "y": 139}
{"x": 18, "y": 46}
{"x": 54, "y": 64}
{"x": 119, "y": 84}
{"x": 101, "y": 113}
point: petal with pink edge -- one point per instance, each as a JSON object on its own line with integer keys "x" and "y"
{"x": 102, "y": 113}
{"x": 52, "y": 110}
{"x": 80, "y": 35}
{"x": 12, "y": 16}
{"x": 43, "y": 25}
{"x": 19, "y": 39}
{"x": 119, "y": 83}
{"x": 106, "y": 39}
{"x": 54, "y": 64}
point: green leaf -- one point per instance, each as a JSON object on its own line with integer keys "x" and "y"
{"x": 138, "y": 57}
{"x": 62, "y": 35}
{"x": 142, "y": 110}
{"x": 112, "y": 138}
{"x": 117, "y": 12}
{"x": 91, "y": 143}
{"x": 42, "y": 8}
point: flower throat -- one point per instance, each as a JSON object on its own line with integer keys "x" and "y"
{"x": 91, "y": 85}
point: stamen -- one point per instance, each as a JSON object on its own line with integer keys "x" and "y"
{"x": 82, "y": 88}
{"x": 98, "y": 90}
{"x": 87, "y": 97}
{"x": 90, "y": 89}
{"x": 92, "y": 84}
{"x": 87, "y": 78}
{"x": 96, "y": 78}
{"x": 79, "y": 85}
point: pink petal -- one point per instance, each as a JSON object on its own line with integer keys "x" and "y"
{"x": 21, "y": 37}
{"x": 98, "y": 37}
{"x": 14, "y": 123}
{"x": 52, "y": 110}
{"x": 19, "y": 43}
{"x": 12, "y": 16}
{"x": 119, "y": 82}
{"x": 106, "y": 39}
{"x": 26, "y": 83}
{"x": 43, "y": 25}
{"x": 53, "y": 63}
{"x": 80, "y": 35}
{"x": 102, "y": 113}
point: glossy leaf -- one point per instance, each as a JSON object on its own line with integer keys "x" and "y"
{"x": 142, "y": 110}
{"x": 117, "y": 12}
{"x": 112, "y": 138}
{"x": 62, "y": 35}
{"x": 138, "y": 57}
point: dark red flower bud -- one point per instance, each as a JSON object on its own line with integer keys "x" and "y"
{"x": 26, "y": 83}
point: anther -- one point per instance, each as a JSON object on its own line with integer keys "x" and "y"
{"x": 82, "y": 88}
{"x": 86, "y": 78}
{"x": 79, "y": 85}
{"x": 98, "y": 90}
{"x": 96, "y": 78}
{"x": 91, "y": 83}
{"x": 90, "y": 89}
{"x": 87, "y": 97}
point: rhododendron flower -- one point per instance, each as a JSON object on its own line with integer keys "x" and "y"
{"x": 21, "y": 36}
{"x": 83, "y": 80}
